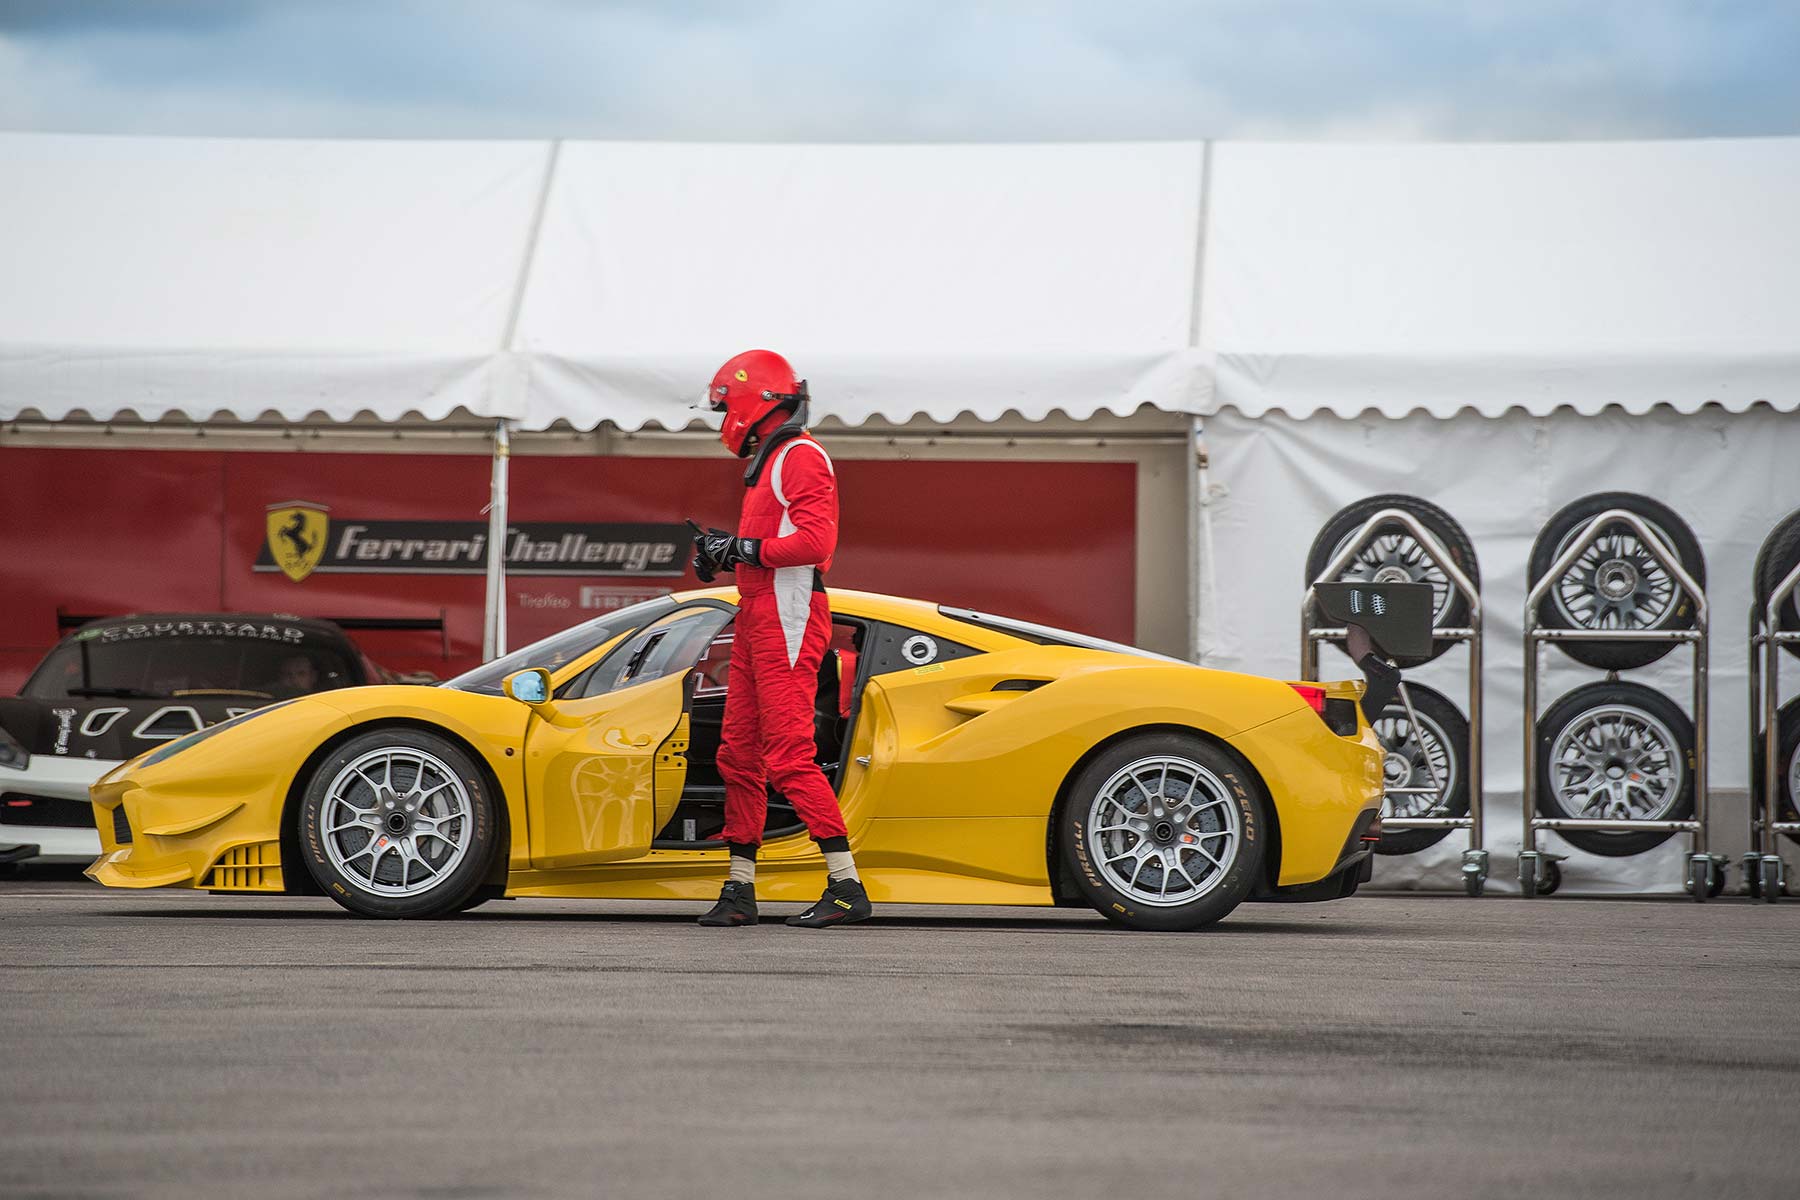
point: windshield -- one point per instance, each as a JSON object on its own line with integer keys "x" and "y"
{"x": 163, "y": 659}
{"x": 1044, "y": 635}
{"x": 559, "y": 649}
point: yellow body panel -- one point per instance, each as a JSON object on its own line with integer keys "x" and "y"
{"x": 947, "y": 797}
{"x": 591, "y": 776}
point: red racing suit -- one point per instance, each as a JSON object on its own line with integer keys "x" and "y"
{"x": 782, "y": 628}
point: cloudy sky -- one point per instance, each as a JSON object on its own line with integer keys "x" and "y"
{"x": 904, "y": 70}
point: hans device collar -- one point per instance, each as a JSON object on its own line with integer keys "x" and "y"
{"x": 789, "y": 429}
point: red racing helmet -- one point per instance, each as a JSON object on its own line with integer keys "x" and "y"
{"x": 747, "y": 389}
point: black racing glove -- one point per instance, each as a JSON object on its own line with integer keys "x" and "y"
{"x": 705, "y": 565}
{"x": 716, "y": 550}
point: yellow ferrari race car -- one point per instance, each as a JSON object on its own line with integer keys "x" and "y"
{"x": 978, "y": 760}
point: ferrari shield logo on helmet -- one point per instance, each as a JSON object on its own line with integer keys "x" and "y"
{"x": 296, "y": 532}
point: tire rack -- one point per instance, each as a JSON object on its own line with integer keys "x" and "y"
{"x": 1764, "y": 874}
{"x": 1475, "y": 858}
{"x": 1703, "y": 869}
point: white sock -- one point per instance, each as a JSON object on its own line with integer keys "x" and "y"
{"x": 743, "y": 870}
{"x": 839, "y": 865}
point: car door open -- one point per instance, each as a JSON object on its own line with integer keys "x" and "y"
{"x": 605, "y": 761}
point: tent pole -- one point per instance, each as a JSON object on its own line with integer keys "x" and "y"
{"x": 493, "y": 637}
{"x": 1199, "y": 540}
{"x": 1199, "y": 512}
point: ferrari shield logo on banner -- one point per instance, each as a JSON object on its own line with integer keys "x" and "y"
{"x": 297, "y": 536}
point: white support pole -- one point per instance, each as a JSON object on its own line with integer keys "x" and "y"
{"x": 1199, "y": 496}
{"x": 1195, "y": 529}
{"x": 493, "y": 637}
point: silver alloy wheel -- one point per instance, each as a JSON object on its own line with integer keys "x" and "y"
{"x": 1395, "y": 556}
{"x": 1409, "y": 756}
{"x": 1165, "y": 830}
{"x": 1616, "y": 583}
{"x": 1616, "y": 762}
{"x": 396, "y": 821}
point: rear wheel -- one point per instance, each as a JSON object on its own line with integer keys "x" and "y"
{"x": 1164, "y": 831}
{"x": 1434, "y": 754}
{"x": 1616, "y": 751}
{"x": 1616, "y": 583}
{"x": 484, "y": 893}
{"x": 1395, "y": 555}
{"x": 399, "y": 823}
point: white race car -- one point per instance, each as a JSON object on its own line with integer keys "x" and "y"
{"x": 122, "y": 685}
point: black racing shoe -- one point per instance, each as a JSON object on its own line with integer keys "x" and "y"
{"x": 843, "y": 903}
{"x": 736, "y": 906}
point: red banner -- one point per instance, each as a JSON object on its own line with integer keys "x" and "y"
{"x": 100, "y": 532}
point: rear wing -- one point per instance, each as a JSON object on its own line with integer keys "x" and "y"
{"x": 440, "y": 625}
{"x": 1383, "y": 621}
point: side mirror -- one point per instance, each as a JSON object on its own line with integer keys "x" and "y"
{"x": 530, "y": 686}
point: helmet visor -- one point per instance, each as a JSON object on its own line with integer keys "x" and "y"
{"x": 708, "y": 409}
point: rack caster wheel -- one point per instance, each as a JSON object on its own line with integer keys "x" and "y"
{"x": 1528, "y": 874}
{"x": 1771, "y": 881}
{"x": 1705, "y": 878}
{"x": 1753, "y": 876}
{"x": 1474, "y": 872}
{"x": 1552, "y": 879}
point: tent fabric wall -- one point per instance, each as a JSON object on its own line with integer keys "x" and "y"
{"x": 903, "y": 279}
{"x": 579, "y": 283}
{"x": 1276, "y": 480}
{"x": 1442, "y": 277}
{"x": 202, "y": 276}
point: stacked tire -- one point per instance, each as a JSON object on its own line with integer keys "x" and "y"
{"x": 1616, "y": 750}
{"x": 1779, "y": 556}
{"x": 1426, "y": 748}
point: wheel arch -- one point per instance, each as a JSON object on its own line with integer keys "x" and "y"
{"x": 1062, "y": 885}
{"x": 296, "y": 879}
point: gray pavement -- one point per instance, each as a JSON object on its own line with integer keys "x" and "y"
{"x": 178, "y": 1044}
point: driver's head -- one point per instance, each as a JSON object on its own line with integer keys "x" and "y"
{"x": 756, "y": 391}
{"x": 298, "y": 674}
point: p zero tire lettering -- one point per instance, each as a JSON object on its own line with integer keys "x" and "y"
{"x": 399, "y": 824}
{"x": 1162, "y": 832}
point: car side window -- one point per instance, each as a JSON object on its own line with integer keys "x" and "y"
{"x": 665, "y": 647}
{"x": 898, "y": 648}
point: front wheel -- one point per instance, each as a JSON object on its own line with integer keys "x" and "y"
{"x": 399, "y": 823}
{"x": 1164, "y": 831}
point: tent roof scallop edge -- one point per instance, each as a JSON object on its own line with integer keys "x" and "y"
{"x": 600, "y": 282}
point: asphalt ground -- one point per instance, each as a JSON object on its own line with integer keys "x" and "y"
{"x": 167, "y": 1043}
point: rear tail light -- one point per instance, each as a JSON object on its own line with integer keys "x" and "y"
{"x": 1314, "y": 696}
{"x": 1339, "y": 715}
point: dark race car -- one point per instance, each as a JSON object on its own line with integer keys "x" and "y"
{"x": 123, "y": 685}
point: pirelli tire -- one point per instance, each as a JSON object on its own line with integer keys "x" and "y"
{"x": 1779, "y": 555}
{"x": 1616, "y": 583}
{"x": 1410, "y": 757}
{"x": 1615, "y": 750}
{"x": 1787, "y": 767}
{"x": 399, "y": 823}
{"x": 1395, "y": 556}
{"x": 1164, "y": 831}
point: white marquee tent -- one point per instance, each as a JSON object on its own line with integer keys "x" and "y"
{"x": 1501, "y": 328}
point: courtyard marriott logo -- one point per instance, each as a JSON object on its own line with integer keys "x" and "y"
{"x": 346, "y": 546}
